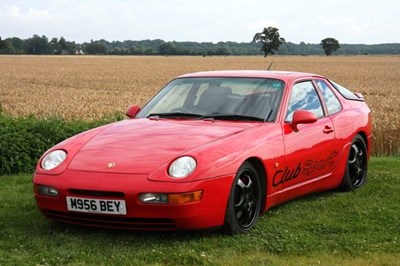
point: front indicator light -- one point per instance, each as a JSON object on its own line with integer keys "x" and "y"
{"x": 163, "y": 198}
{"x": 185, "y": 197}
{"x": 46, "y": 191}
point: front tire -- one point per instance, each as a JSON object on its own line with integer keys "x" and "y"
{"x": 357, "y": 165}
{"x": 244, "y": 203}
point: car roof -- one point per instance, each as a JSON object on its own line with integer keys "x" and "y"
{"x": 282, "y": 75}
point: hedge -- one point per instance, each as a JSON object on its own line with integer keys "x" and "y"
{"x": 24, "y": 140}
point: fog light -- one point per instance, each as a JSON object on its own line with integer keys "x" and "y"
{"x": 153, "y": 198}
{"x": 46, "y": 191}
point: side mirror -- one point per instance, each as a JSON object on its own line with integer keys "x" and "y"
{"x": 302, "y": 117}
{"x": 132, "y": 111}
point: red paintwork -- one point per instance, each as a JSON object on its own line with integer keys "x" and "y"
{"x": 144, "y": 148}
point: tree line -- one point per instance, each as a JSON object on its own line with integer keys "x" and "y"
{"x": 42, "y": 45}
{"x": 271, "y": 40}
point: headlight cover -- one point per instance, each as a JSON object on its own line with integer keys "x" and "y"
{"x": 182, "y": 167}
{"x": 53, "y": 159}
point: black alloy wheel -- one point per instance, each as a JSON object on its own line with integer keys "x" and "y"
{"x": 357, "y": 165}
{"x": 244, "y": 201}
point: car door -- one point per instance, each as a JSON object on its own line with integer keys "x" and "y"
{"x": 310, "y": 150}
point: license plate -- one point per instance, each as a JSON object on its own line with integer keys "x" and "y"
{"x": 96, "y": 205}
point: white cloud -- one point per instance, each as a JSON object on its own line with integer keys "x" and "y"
{"x": 13, "y": 11}
{"x": 260, "y": 24}
{"x": 37, "y": 14}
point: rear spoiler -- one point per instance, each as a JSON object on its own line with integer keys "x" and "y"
{"x": 359, "y": 96}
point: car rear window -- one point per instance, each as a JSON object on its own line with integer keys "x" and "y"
{"x": 346, "y": 93}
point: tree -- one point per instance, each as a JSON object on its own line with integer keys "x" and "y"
{"x": 6, "y": 47}
{"x": 17, "y": 43}
{"x": 149, "y": 51}
{"x": 167, "y": 49}
{"x": 95, "y": 48}
{"x": 71, "y": 47}
{"x": 269, "y": 39}
{"x": 54, "y": 47}
{"x": 63, "y": 43}
{"x": 330, "y": 45}
{"x": 37, "y": 45}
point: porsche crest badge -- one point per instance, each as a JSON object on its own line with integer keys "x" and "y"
{"x": 111, "y": 165}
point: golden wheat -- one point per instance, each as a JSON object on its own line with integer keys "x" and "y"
{"x": 90, "y": 87}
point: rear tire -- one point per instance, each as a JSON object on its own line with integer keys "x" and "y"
{"x": 357, "y": 165}
{"x": 244, "y": 202}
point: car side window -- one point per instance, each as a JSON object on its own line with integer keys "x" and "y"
{"x": 304, "y": 97}
{"x": 332, "y": 102}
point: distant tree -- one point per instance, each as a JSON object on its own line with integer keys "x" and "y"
{"x": 45, "y": 44}
{"x": 95, "y": 48}
{"x": 330, "y": 45}
{"x": 71, "y": 47}
{"x": 54, "y": 46}
{"x": 2, "y": 43}
{"x": 269, "y": 39}
{"x": 17, "y": 43}
{"x": 134, "y": 50}
{"x": 63, "y": 43}
{"x": 167, "y": 49}
{"x": 149, "y": 51}
{"x": 6, "y": 47}
{"x": 37, "y": 45}
{"x": 89, "y": 48}
{"x": 222, "y": 51}
{"x": 302, "y": 48}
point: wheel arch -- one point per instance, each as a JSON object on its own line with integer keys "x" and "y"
{"x": 348, "y": 183}
{"x": 261, "y": 172}
{"x": 364, "y": 137}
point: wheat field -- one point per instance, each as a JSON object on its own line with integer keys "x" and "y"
{"x": 91, "y": 87}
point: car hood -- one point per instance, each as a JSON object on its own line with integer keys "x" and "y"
{"x": 139, "y": 146}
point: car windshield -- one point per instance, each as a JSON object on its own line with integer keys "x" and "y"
{"x": 217, "y": 98}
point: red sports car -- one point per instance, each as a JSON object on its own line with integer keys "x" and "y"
{"x": 211, "y": 149}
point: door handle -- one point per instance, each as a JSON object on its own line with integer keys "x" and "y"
{"x": 328, "y": 129}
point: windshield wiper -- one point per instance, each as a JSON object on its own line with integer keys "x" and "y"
{"x": 234, "y": 117}
{"x": 175, "y": 114}
{"x": 198, "y": 116}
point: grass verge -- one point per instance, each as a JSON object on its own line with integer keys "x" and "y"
{"x": 332, "y": 228}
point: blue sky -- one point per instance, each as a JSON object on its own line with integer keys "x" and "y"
{"x": 357, "y": 21}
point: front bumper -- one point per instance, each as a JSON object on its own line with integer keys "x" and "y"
{"x": 206, "y": 213}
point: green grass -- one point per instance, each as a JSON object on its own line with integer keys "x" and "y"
{"x": 332, "y": 228}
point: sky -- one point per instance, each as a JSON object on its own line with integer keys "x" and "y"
{"x": 310, "y": 21}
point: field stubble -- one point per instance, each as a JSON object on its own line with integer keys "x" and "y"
{"x": 91, "y": 87}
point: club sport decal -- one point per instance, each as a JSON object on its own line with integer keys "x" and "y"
{"x": 281, "y": 176}
{"x": 306, "y": 168}
{"x": 311, "y": 166}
